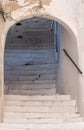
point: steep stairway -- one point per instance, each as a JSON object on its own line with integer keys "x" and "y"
{"x": 30, "y": 60}
{"x": 31, "y": 100}
{"x": 34, "y": 33}
{"x": 28, "y": 73}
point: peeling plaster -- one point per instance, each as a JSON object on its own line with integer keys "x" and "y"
{"x": 10, "y": 6}
{"x": 26, "y": 11}
{"x": 43, "y": 2}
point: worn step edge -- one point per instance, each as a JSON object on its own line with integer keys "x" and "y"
{"x": 35, "y": 121}
{"x": 38, "y": 97}
{"x": 70, "y": 125}
{"x": 32, "y": 92}
{"x": 41, "y": 115}
{"x": 39, "y": 103}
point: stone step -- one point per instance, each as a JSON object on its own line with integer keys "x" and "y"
{"x": 35, "y": 29}
{"x": 38, "y": 97}
{"x": 29, "y": 72}
{"x": 26, "y": 52}
{"x": 31, "y": 77}
{"x": 30, "y": 82}
{"x": 27, "y": 27}
{"x": 32, "y": 46}
{"x": 29, "y": 61}
{"x": 39, "y": 129}
{"x": 31, "y": 58}
{"x": 35, "y": 121}
{"x": 32, "y": 92}
{"x": 41, "y": 34}
{"x": 39, "y": 103}
{"x": 58, "y": 126}
{"x": 32, "y": 67}
{"x": 35, "y": 22}
{"x": 29, "y": 53}
{"x": 34, "y": 39}
{"x": 26, "y": 45}
{"x": 16, "y": 41}
{"x": 38, "y": 109}
{"x": 41, "y": 115}
{"x": 32, "y": 86}
{"x": 34, "y": 33}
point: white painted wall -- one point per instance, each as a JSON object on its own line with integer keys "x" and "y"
{"x": 80, "y": 40}
{"x": 68, "y": 76}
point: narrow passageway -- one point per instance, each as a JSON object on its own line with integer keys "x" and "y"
{"x": 30, "y": 58}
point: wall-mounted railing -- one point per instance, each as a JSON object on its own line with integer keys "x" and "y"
{"x": 76, "y": 66}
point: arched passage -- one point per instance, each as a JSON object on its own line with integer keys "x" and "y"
{"x": 68, "y": 76}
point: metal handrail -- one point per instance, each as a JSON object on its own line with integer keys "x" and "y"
{"x": 72, "y": 61}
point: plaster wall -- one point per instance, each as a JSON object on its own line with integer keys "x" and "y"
{"x": 68, "y": 75}
{"x": 80, "y": 40}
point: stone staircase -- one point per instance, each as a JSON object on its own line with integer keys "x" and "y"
{"x": 31, "y": 100}
{"x": 30, "y": 72}
{"x": 30, "y": 60}
{"x": 34, "y": 33}
{"x": 56, "y": 112}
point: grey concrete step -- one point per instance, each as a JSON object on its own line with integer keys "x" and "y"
{"x": 17, "y": 57}
{"x": 29, "y": 82}
{"x": 32, "y": 92}
{"x": 38, "y": 98}
{"x": 29, "y": 72}
{"x": 32, "y": 86}
{"x": 28, "y": 53}
{"x": 32, "y": 67}
{"x": 30, "y": 77}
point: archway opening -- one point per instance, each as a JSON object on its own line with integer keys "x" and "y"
{"x": 35, "y": 63}
{"x": 48, "y": 38}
